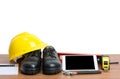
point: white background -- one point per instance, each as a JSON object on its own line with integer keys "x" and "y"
{"x": 80, "y": 26}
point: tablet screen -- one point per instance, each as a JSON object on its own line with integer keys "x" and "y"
{"x": 80, "y": 62}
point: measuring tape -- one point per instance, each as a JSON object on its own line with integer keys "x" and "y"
{"x": 105, "y": 63}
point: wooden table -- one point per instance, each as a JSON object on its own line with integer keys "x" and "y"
{"x": 114, "y": 72}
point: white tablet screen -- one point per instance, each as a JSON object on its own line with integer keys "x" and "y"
{"x": 80, "y": 63}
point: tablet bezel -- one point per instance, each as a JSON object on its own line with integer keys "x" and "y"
{"x": 94, "y": 60}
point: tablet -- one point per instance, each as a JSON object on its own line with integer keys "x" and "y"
{"x": 79, "y": 63}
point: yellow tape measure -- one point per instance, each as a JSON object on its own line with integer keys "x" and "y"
{"x": 105, "y": 63}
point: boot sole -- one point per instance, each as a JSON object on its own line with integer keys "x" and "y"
{"x": 50, "y": 71}
{"x": 31, "y": 71}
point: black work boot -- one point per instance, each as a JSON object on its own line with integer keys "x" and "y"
{"x": 51, "y": 63}
{"x": 31, "y": 63}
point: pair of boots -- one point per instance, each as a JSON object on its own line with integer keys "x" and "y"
{"x": 31, "y": 63}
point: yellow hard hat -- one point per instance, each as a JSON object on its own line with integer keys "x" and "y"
{"x": 24, "y": 43}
